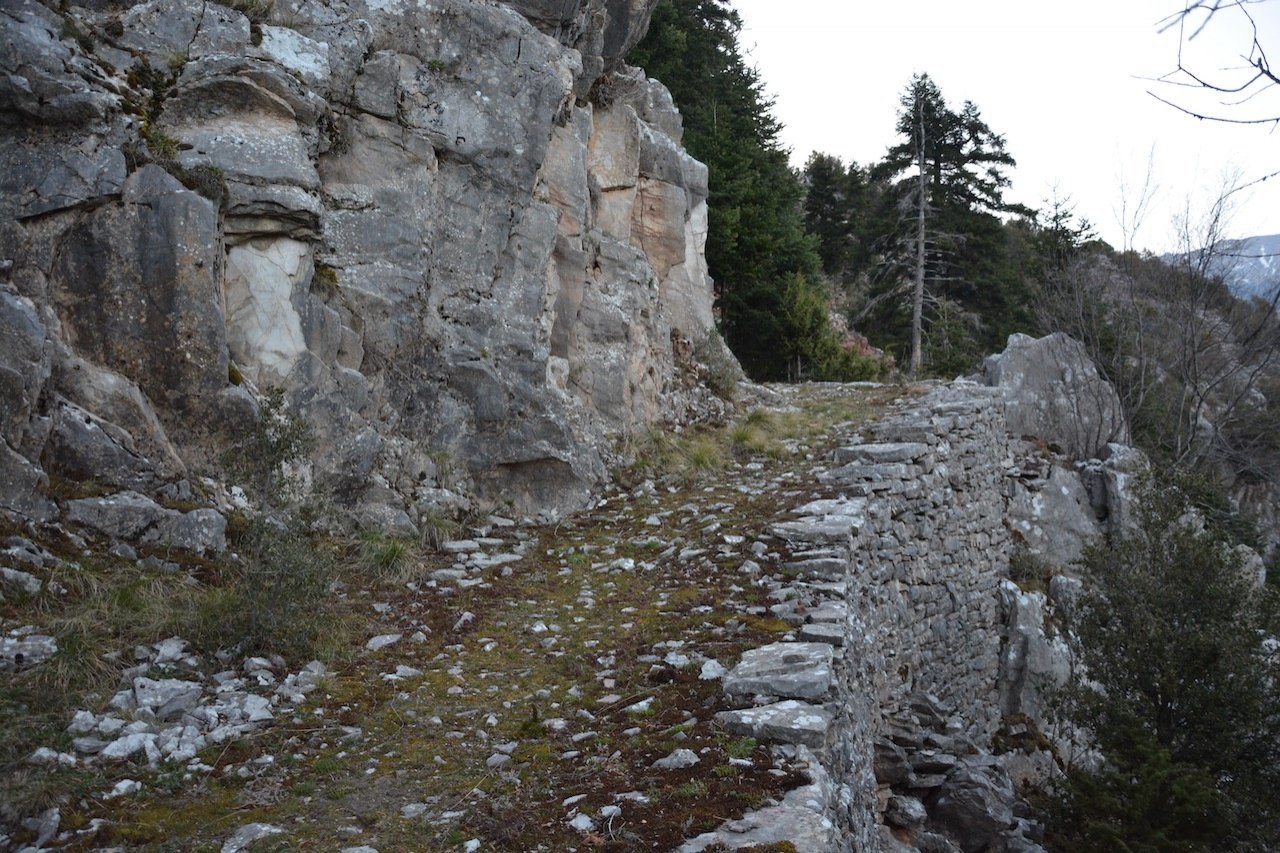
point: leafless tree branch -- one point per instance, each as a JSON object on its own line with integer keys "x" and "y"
{"x": 1191, "y": 22}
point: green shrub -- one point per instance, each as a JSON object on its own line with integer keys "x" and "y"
{"x": 161, "y": 145}
{"x": 264, "y": 460}
{"x": 209, "y": 181}
{"x": 1175, "y": 684}
{"x": 1142, "y": 800}
{"x": 270, "y": 603}
{"x": 437, "y": 529}
{"x": 257, "y": 11}
{"x": 1028, "y": 571}
{"x": 387, "y": 557}
{"x": 325, "y": 279}
{"x": 70, "y": 30}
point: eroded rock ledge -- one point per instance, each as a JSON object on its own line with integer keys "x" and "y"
{"x": 408, "y": 215}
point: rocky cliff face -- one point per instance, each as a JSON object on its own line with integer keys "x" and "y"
{"x": 460, "y": 235}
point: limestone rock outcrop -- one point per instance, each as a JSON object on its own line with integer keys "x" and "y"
{"x": 1073, "y": 475}
{"x": 1053, "y": 392}
{"x": 461, "y": 236}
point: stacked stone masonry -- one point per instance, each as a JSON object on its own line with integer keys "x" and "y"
{"x": 934, "y": 549}
{"x": 914, "y": 528}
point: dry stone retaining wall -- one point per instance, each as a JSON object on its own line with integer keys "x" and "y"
{"x": 934, "y": 549}
{"x": 916, "y": 530}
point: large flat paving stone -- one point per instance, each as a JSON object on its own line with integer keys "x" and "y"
{"x": 830, "y": 633}
{"x": 815, "y": 530}
{"x": 788, "y": 721}
{"x": 786, "y": 670}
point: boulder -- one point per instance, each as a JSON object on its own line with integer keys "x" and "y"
{"x": 133, "y": 517}
{"x": 974, "y": 807}
{"x": 16, "y": 580}
{"x": 1110, "y": 480}
{"x": 905, "y": 811}
{"x": 83, "y": 447}
{"x": 24, "y": 649}
{"x": 126, "y": 516}
{"x": 1053, "y": 392}
{"x": 168, "y": 698}
{"x": 892, "y": 764}
{"x": 121, "y": 410}
{"x": 1031, "y": 663}
{"x": 678, "y": 760}
{"x": 788, "y": 721}
{"x": 1054, "y": 516}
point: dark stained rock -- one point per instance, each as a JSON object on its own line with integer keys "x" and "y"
{"x": 138, "y": 287}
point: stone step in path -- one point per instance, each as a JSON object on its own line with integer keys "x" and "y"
{"x": 789, "y": 721}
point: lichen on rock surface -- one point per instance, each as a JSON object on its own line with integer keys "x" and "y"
{"x": 425, "y": 222}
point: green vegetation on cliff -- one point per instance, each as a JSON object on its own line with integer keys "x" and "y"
{"x": 1180, "y": 693}
{"x": 765, "y": 264}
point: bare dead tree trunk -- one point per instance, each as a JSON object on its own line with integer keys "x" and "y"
{"x": 917, "y": 297}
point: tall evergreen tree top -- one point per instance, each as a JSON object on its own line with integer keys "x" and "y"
{"x": 965, "y": 160}
{"x": 692, "y": 47}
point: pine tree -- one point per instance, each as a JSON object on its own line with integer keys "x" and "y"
{"x": 947, "y": 283}
{"x": 829, "y": 207}
{"x": 964, "y": 159}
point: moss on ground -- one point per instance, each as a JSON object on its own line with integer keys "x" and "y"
{"x": 612, "y": 595}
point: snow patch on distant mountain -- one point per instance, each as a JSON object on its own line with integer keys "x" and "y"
{"x": 1250, "y": 266}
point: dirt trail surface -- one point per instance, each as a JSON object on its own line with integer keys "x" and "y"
{"x": 526, "y": 687}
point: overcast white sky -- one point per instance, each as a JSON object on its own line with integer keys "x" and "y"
{"x": 1061, "y": 81}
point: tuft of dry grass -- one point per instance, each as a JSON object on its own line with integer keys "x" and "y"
{"x": 388, "y": 557}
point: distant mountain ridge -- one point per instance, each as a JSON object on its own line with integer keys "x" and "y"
{"x": 1249, "y": 266}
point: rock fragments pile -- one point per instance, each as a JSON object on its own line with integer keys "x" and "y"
{"x": 170, "y": 712}
{"x": 942, "y": 792}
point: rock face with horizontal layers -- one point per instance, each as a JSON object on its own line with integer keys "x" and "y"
{"x": 462, "y": 236}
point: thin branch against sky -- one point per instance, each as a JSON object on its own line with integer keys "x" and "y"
{"x": 1067, "y": 85}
